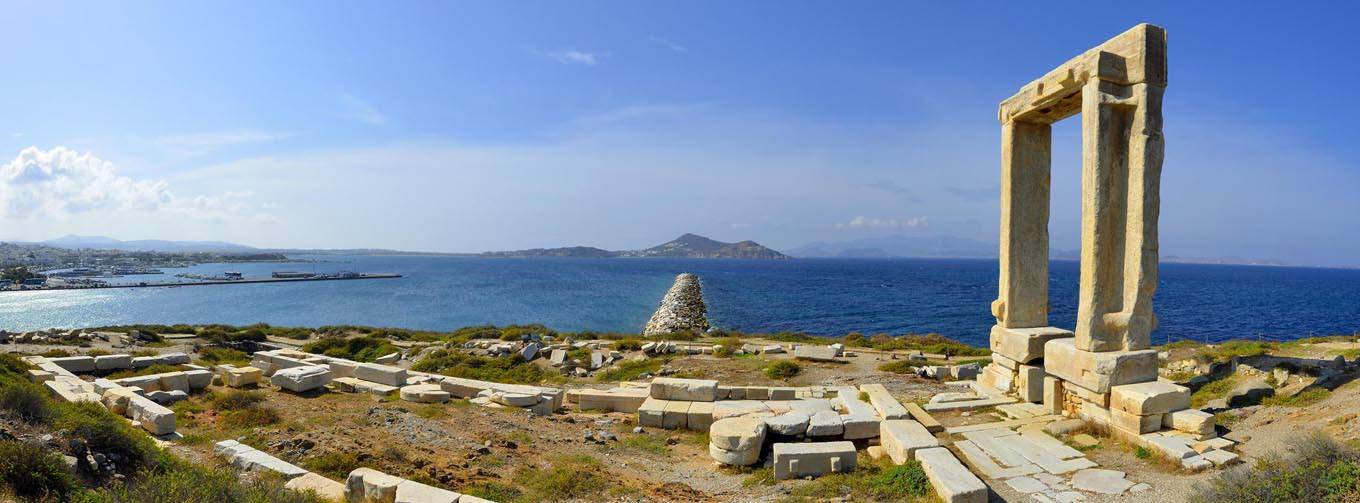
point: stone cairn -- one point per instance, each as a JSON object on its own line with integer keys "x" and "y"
{"x": 681, "y": 310}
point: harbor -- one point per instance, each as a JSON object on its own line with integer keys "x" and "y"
{"x": 289, "y": 277}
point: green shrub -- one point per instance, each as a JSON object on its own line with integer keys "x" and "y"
{"x": 363, "y": 348}
{"x": 56, "y": 353}
{"x": 34, "y": 472}
{"x": 104, "y": 432}
{"x": 219, "y": 356}
{"x": 782, "y": 369}
{"x": 159, "y": 368}
{"x": 27, "y": 401}
{"x": 907, "y": 479}
{"x": 237, "y": 400}
{"x": 252, "y": 417}
{"x": 578, "y": 477}
{"x": 627, "y": 345}
{"x": 898, "y": 367}
{"x": 1212, "y": 390}
{"x": 628, "y": 370}
{"x": 332, "y": 464}
{"x": 1303, "y": 398}
{"x": 1318, "y": 469}
{"x": 726, "y": 347}
{"x": 187, "y": 483}
{"x": 98, "y": 352}
{"x": 504, "y": 369}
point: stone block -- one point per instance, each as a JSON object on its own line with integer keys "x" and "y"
{"x": 884, "y": 403}
{"x": 812, "y": 459}
{"x": 923, "y": 417}
{"x": 1097, "y": 372}
{"x": 381, "y": 374}
{"x": 510, "y": 399}
{"x": 175, "y": 381}
{"x": 791, "y": 423}
{"x": 676, "y": 415}
{"x": 113, "y": 362}
{"x": 321, "y": 486}
{"x": 757, "y": 393}
{"x": 952, "y": 482}
{"x": 1193, "y": 421}
{"x": 1008, "y": 363}
{"x": 825, "y": 424}
{"x": 613, "y": 400}
{"x": 153, "y": 417}
{"x": 251, "y": 459}
{"x": 425, "y": 393}
{"x": 173, "y": 358}
{"x": 997, "y": 377}
{"x": 1053, "y": 395}
{"x": 198, "y": 379}
{"x": 240, "y": 377}
{"x": 700, "y": 416}
{"x": 75, "y": 363}
{"x": 782, "y": 393}
{"x": 410, "y": 491}
{"x": 901, "y": 438}
{"x": 366, "y": 485}
{"x": 651, "y": 412}
{"x": 1220, "y": 457}
{"x": 341, "y": 368}
{"x": 1135, "y": 424}
{"x": 737, "y": 434}
{"x": 860, "y": 426}
{"x": 734, "y": 458}
{"x": 1152, "y": 397}
{"x": 1171, "y": 447}
{"x": 1024, "y": 345}
{"x": 692, "y": 390}
{"x": 355, "y": 385}
{"x": 301, "y": 379}
{"x": 1218, "y": 443}
{"x": 39, "y": 376}
{"x": 816, "y": 353}
{"x": 1029, "y": 383}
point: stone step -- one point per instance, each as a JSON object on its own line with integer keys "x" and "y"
{"x": 953, "y": 483}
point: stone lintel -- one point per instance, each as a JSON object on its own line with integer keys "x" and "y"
{"x": 1024, "y": 345}
{"x": 1097, "y": 372}
{"x": 1152, "y": 397}
{"x": 1133, "y": 57}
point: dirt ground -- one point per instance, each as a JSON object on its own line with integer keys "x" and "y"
{"x": 461, "y": 446}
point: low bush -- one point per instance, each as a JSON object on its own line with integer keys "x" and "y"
{"x": 27, "y": 401}
{"x": 237, "y": 400}
{"x": 188, "y": 483}
{"x": 332, "y": 464}
{"x": 578, "y": 477}
{"x": 869, "y": 481}
{"x": 219, "y": 356}
{"x": 627, "y": 345}
{"x": 628, "y": 370}
{"x": 159, "y": 368}
{"x": 783, "y": 369}
{"x": 503, "y": 369}
{"x": 1318, "y": 469}
{"x": 364, "y": 348}
{"x": 33, "y": 472}
{"x": 252, "y": 417}
{"x": 898, "y": 367}
{"x": 1303, "y": 398}
{"x": 56, "y": 353}
{"x": 1212, "y": 390}
{"x": 106, "y": 433}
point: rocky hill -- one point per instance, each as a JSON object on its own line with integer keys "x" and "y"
{"x": 685, "y": 246}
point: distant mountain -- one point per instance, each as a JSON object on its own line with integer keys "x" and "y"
{"x": 696, "y": 246}
{"x": 686, "y": 246}
{"x": 108, "y": 243}
{"x": 899, "y": 246}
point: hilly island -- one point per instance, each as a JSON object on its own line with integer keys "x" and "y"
{"x": 685, "y": 246}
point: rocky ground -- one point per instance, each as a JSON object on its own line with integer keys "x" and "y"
{"x": 495, "y": 452}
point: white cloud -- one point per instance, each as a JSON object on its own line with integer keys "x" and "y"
{"x": 861, "y": 222}
{"x": 668, "y": 44}
{"x": 570, "y": 56}
{"x": 359, "y": 109}
{"x": 41, "y": 185}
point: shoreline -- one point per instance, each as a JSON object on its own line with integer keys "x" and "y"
{"x": 212, "y": 282}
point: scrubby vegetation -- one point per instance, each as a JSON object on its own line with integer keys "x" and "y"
{"x": 1319, "y": 469}
{"x": 628, "y": 370}
{"x": 364, "y": 349}
{"x": 783, "y": 369}
{"x": 159, "y": 368}
{"x": 506, "y": 369}
{"x": 1212, "y": 390}
{"x": 244, "y": 409}
{"x": 1303, "y": 398}
{"x": 33, "y": 472}
{"x": 219, "y": 356}
{"x": 870, "y": 481}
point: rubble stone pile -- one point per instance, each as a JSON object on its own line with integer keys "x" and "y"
{"x": 681, "y": 310}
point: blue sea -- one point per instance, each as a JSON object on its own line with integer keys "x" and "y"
{"x": 816, "y": 296}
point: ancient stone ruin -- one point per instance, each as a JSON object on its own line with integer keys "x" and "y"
{"x": 1104, "y": 372}
{"x": 681, "y": 310}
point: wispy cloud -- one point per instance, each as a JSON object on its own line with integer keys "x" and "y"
{"x": 668, "y": 44}
{"x": 357, "y": 108}
{"x": 574, "y": 57}
{"x": 861, "y": 222}
{"x": 202, "y": 143}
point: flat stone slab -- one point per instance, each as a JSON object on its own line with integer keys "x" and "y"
{"x": 989, "y": 468}
{"x": 968, "y": 405}
{"x": 1097, "y": 480}
{"x": 1220, "y": 457}
{"x": 737, "y": 433}
{"x": 1147, "y": 398}
{"x": 322, "y": 486}
{"x": 1026, "y": 485}
{"x": 789, "y": 423}
{"x": 1001, "y": 424}
{"x": 816, "y": 353}
{"x": 693, "y": 390}
{"x": 923, "y": 417}
{"x": 884, "y": 403}
{"x": 826, "y": 423}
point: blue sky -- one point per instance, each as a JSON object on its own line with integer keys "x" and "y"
{"x": 453, "y": 126}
